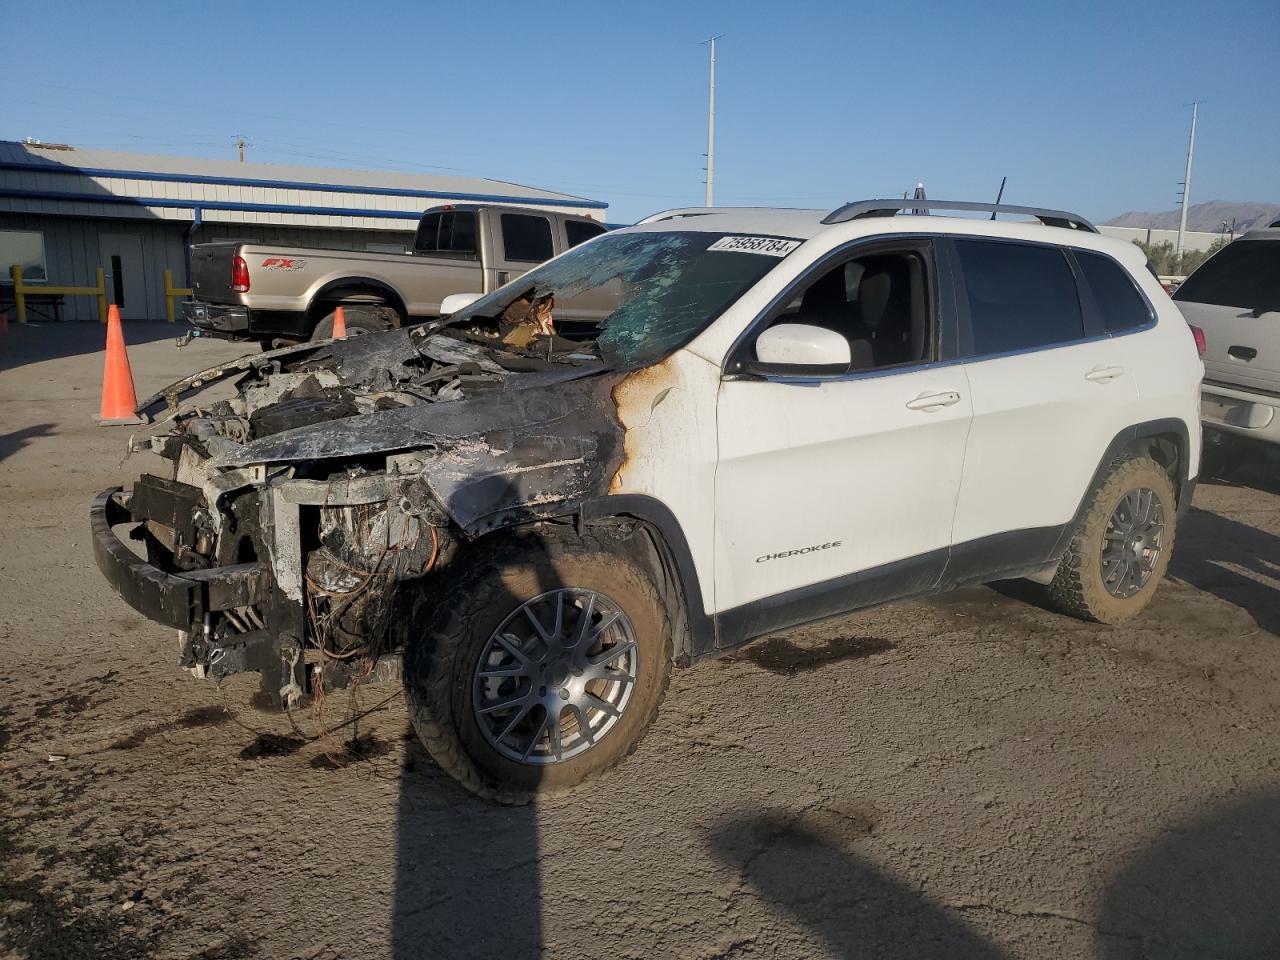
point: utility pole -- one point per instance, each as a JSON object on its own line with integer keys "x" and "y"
{"x": 711, "y": 125}
{"x": 1186, "y": 185}
{"x": 241, "y": 143}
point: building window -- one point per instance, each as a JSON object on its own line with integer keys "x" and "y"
{"x": 25, "y": 248}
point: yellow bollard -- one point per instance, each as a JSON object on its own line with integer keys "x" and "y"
{"x": 102, "y": 296}
{"x": 19, "y": 295}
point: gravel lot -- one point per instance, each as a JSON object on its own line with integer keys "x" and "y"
{"x": 968, "y": 776}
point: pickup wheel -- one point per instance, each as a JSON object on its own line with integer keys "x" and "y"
{"x": 360, "y": 320}
{"x": 536, "y": 665}
{"x": 1121, "y": 549}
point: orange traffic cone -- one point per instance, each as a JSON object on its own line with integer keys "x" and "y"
{"x": 339, "y": 324}
{"x": 118, "y": 398}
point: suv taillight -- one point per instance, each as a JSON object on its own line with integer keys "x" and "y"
{"x": 1196, "y": 332}
{"x": 239, "y": 275}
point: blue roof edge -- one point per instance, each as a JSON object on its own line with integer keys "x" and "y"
{"x": 71, "y": 169}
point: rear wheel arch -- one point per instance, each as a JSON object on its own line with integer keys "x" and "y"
{"x": 353, "y": 291}
{"x": 1166, "y": 441}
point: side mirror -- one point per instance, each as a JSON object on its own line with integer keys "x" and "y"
{"x": 800, "y": 349}
{"x": 458, "y": 301}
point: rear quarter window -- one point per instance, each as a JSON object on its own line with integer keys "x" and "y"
{"x": 526, "y": 238}
{"x": 1120, "y": 305}
{"x": 1244, "y": 273}
{"x": 579, "y": 231}
{"x": 1021, "y": 296}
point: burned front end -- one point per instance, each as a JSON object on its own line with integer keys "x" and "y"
{"x": 294, "y": 520}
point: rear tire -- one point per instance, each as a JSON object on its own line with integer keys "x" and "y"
{"x": 456, "y": 668}
{"x": 360, "y": 320}
{"x": 1132, "y": 516}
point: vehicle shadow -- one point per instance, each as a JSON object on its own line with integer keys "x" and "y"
{"x": 11, "y": 443}
{"x": 1207, "y": 887}
{"x": 1233, "y": 561}
{"x": 809, "y": 866}
{"x": 37, "y": 342}
{"x": 1243, "y": 464}
{"x": 467, "y": 869}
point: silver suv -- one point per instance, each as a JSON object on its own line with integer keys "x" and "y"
{"x": 1234, "y": 299}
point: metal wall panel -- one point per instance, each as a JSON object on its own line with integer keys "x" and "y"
{"x": 72, "y": 256}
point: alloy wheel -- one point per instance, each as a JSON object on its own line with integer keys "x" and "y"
{"x": 1132, "y": 542}
{"x": 555, "y": 676}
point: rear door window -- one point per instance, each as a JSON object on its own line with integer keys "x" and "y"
{"x": 1120, "y": 306}
{"x": 526, "y": 238}
{"x": 448, "y": 234}
{"x": 578, "y": 231}
{"x": 1021, "y": 296}
{"x": 1244, "y": 273}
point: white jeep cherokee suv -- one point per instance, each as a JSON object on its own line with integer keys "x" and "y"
{"x": 784, "y": 415}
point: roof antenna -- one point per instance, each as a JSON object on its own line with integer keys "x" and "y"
{"x": 999, "y": 194}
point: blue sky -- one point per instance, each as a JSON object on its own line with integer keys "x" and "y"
{"x": 1081, "y": 105}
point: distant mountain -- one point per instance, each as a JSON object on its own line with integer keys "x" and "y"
{"x": 1204, "y": 216}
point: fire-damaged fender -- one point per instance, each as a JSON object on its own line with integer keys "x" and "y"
{"x": 678, "y": 558}
{"x": 519, "y": 451}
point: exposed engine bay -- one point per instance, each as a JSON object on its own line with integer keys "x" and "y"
{"x": 340, "y": 472}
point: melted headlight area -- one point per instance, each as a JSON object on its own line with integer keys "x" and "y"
{"x": 333, "y": 559}
{"x": 355, "y": 578}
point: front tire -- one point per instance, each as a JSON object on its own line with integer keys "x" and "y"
{"x": 1121, "y": 549}
{"x": 533, "y": 665}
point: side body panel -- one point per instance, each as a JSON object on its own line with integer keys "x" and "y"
{"x": 818, "y": 480}
{"x": 668, "y": 416}
{"x": 289, "y": 278}
{"x": 1039, "y": 427}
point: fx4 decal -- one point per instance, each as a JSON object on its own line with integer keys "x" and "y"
{"x": 799, "y": 552}
{"x": 283, "y": 263}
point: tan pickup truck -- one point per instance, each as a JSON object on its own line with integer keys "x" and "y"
{"x": 282, "y": 294}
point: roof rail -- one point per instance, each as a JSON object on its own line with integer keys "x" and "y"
{"x": 677, "y": 213}
{"x": 887, "y": 208}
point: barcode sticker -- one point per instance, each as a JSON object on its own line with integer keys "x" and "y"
{"x": 769, "y": 246}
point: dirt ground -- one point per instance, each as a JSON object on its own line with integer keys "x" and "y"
{"x": 968, "y": 776}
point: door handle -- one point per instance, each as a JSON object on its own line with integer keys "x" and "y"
{"x": 933, "y": 401}
{"x": 1103, "y": 374}
{"x": 1242, "y": 353}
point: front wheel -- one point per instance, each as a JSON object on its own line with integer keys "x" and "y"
{"x": 1121, "y": 549}
{"x": 536, "y": 665}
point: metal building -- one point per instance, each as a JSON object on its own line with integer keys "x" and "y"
{"x": 66, "y": 212}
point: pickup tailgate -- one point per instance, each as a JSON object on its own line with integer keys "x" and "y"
{"x": 211, "y": 271}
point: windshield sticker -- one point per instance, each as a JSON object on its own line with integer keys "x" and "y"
{"x": 769, "y": 246}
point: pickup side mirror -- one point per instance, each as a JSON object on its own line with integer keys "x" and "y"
{"x": 800, "y": 349}
{"x": 458, "y": 301}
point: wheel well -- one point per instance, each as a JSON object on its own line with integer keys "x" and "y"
{"x": 643, "y": 541}
{"x": 356, "y": 293}
{"x": 1168, "y": 450}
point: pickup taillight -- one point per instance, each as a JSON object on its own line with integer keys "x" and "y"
{"x": 1198, "y": 334}
{"x": 239, "y": 275}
